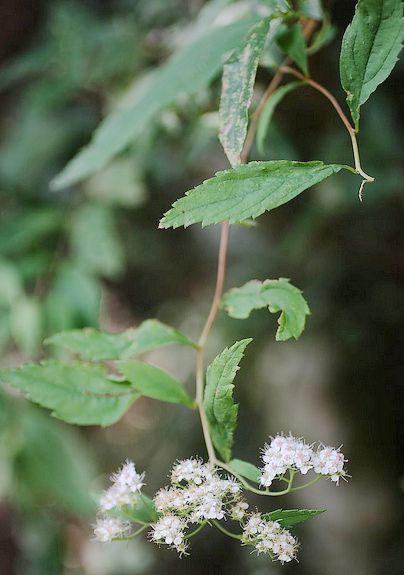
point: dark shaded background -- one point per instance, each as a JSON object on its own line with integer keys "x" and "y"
{"x": 93, "y": 255}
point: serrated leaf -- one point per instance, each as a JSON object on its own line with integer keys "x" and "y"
{"x": 143, "y": 512}
{"x": 276, "y": 295}
{"x": 188, "y": 71}
{"x": 218, "y": 403}
{"x": 290, "y": 517}
{"x": 245, "y": 469}
{"x": 77, "y": 393}
{"x": 291, "y": 40}
{"x": 237, "y": 89}
{"x": 154, "y": 382}
{"x": 269, "y": 109}
{"x": 245, "y": 192}
{"x": 369, "y": 50}
{"x": 96, "y": 345}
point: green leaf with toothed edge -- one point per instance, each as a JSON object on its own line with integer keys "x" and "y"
{"x": 77, "y": 392}
{"x": 289, "y": 517}
{"x": 95, "y": 345}
{"x": 245, "y": 469}
{"x": 218, "y": 404}
{"x": 154, "y": 382}
{"x": 370, "y": 49}
{"x": 187, "y": 71}
{"x": 276, "y": 295}
{"x": 246, "y": 191}
{"x": 237, "y": 89}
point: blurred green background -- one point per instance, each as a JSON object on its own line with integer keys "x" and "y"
{"x": 92, "y": 255}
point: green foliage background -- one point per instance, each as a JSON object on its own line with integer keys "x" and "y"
{"x": 91, "y": 255}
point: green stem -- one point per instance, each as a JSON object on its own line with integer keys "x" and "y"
{"x": 226, "y": 531}
{"x": 351, "y": 131}
{"x": 201, "y": 526}
{"x": 221, "y": 272}
{"x": 252, "y": 489}
{"x": 307, "y": 484}
{"x": 132, "y": 535}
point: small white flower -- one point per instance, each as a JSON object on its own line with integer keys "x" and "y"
{"x": 238, "y": 510}
{"x": 329, "y": 461}
{"x": 269, "y": 537}
{"x": 108, "y": 528}
{"x": 128, "y": 477}
{"x": 117, "y": 496}
{"x": 170, "y": 529}
{"x": 190, "y": 470}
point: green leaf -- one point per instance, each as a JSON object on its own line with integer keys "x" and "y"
{"x": 95, "y": 345}
{"x": 218, "y": 403}
{"x": 188, "y": 71}
{"x": 369, "y": 50}
{"x": 276, "y": 295}
{"x": 77, "y": 393}
{"x": 143, "y": 512}
{"x": 311, "y": 9}
{"x": 26, "y": 324}
{"x": 152, "y": 334}
{"x": 269, "y": 109}
{"x": 95, "y": 242}
{"x": 245, "y": 469}
{"x": 290, "y": 517}
{"x": 53, "y": 464}
{"x": 154, "y": 382}
{"x": 237, "y": 89}
{"x": 246, "y": 192}
{"x": 291, "y": 41}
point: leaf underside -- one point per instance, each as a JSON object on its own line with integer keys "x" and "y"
{"x": 237, "y": 89}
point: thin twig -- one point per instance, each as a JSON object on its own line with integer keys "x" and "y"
{"x": 221, "y": 271}
{"x": 345, "y": 121}
{"x": 226, "y": 531}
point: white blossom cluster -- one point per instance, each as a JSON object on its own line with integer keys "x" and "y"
{"x": 286, "y": 453}
{"x": 197, "y": 494}
{"x": 270, "y": 538}
{"x": 125, "y": 488}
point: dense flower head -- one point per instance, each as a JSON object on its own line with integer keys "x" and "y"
{"x": 197, "y": 492}
{"x": 126, "y": 483}
{"x": 329, "y": 461}
{"x": 170, "y": 529}
{"x": 270, "y": 538}
{"x": 285, "y": 453}
{"x": 125, "y": 488}
{"x": 108, "y": 528}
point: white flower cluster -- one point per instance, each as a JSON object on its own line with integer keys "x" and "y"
{"x": 126, "y": 484}
{"x": 108, "y": 528}
{"x": 285, "y": 453}
{"x": 269, "y": 537}
{"x": 196, "y": 494}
